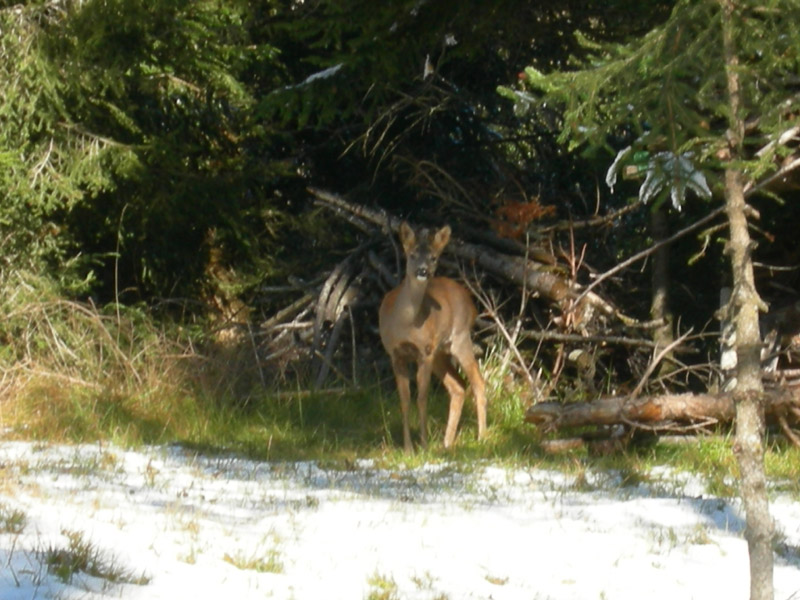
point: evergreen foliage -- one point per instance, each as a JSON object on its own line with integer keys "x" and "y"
{"x": 137, "y": 138}
{"x": 717, "y": 80}
{"x": 666, "y": 91}
{"x": 409, "y": 106}
{"x": 131, "y": 124}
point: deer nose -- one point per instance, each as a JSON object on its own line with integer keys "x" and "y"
{"x": 422, "y": 273}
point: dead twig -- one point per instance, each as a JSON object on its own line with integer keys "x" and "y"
{"x": 648, "y": 251}
{"x": 788, "y": 431}
{"x": 655, "y": 362}
{"x": 279, "y": 317}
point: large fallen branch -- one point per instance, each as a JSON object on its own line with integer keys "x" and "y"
{"x": 330, "y": 329}
{"x": 536, "y": 277}
{"x": 670, "y": 412}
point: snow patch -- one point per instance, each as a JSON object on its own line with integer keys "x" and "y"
{"x": 205, "y": 527}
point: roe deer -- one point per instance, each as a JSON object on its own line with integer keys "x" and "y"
{"x": 427, "y": 320}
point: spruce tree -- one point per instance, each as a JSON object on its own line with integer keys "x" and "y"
{"x": 709, "y": 102}
{"x": 127, "y": 136}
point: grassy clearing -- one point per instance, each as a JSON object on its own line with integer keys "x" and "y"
{"x": 72, "y": 372}
{"x": 76, "y": 373}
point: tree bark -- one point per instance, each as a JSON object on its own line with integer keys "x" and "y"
{"x": 749, "y": 395}
{"x": 671, "y": 412}
{"x": 535, "y": 277}
{"x": 744, "y": 307}
{"x": 660, "y": 283}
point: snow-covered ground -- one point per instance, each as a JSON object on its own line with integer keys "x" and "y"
{"x": 197, "y": 527}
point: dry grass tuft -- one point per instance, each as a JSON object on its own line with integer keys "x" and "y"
{"x": 72, "y": 371}
{"x": 82, "y": 556}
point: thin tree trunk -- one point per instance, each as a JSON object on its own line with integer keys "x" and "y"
{"x": 744, "y": 306}
{"x": 749, "y": 396}
{"x": 659, "y": 303}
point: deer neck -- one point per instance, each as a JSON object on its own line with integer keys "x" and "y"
{"x": 411, "y": 303}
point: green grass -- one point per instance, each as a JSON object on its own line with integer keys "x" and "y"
{"x": 78, "y": 374}
{"x": 339, "y": 427}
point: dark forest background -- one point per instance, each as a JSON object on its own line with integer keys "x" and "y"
{"x": 168, "y": 162}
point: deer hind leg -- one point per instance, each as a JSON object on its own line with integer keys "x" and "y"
{"x": 455, "y": 387}
{"x": 424, "y": 370}
{"x": 401, "y": 375}
{"x": 466, "y": 358}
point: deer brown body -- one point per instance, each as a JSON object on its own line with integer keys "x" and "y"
{"x": 428, "y": 320}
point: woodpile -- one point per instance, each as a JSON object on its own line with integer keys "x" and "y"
{"x": 330, "y": 324}
{"x": 331, "y": 327}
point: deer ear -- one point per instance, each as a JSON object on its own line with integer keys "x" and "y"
{"x": 441, "y": 238}
{"x": 407, "y": 237}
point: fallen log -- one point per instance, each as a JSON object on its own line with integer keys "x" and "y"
{"x": 529, "y": 274}
{"x": 669, "y": 412}
{"x": 644, "y": 411}
{"x": 514, "y": 268}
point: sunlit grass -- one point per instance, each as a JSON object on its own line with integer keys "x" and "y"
{"x": 338, "y": 428}
{"x": 74, "y": 373}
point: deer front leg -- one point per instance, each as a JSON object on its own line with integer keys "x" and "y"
{"x": 401, "y": 376}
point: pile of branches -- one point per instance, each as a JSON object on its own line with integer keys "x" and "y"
{"x": 332, "y": 326}
{"x": 558, "y": 330}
